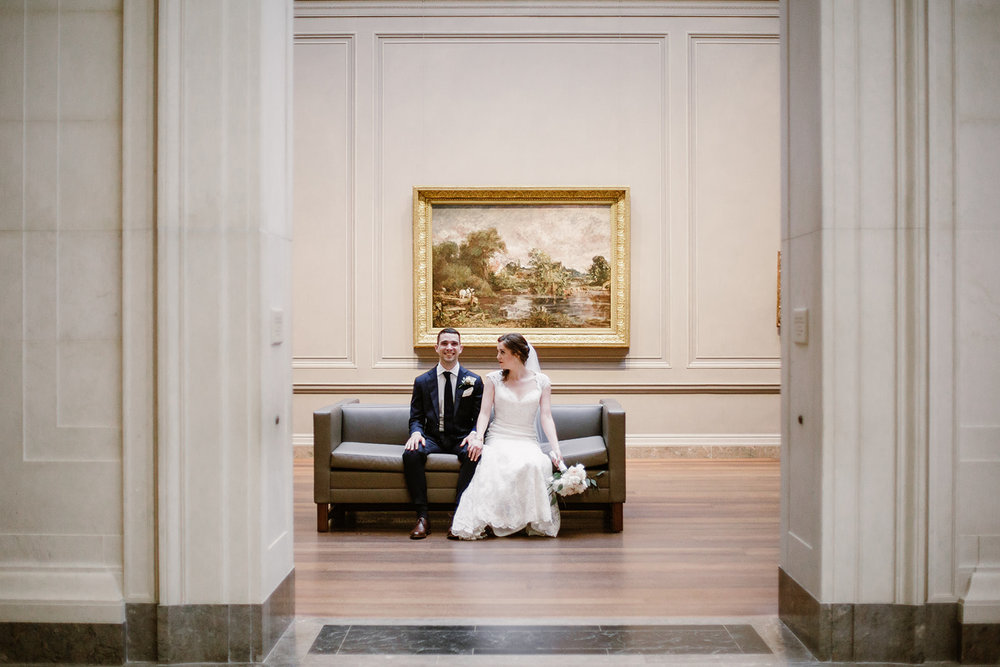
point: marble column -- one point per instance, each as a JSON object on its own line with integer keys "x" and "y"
{"x": 224, "y": 361}
{"x": 77, "y": 431}
{"x": 889, "y": 437}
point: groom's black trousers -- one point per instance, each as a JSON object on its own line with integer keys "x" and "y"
{"x": 415, "y": 465}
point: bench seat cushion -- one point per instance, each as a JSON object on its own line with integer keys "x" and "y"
{"x": 388, "y": 458}
{"x": 590, "y": 451}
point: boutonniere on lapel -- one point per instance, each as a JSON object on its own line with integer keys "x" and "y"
{"x": 468, "y": 384}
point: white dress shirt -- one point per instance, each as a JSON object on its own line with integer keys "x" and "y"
{"x": 454, "y": 381}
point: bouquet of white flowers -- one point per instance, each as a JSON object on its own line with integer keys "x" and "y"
{"x": 570, "y": 481}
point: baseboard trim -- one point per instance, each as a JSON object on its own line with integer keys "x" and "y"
{"x": 74, "y": 643}
{"x": 302, "y": 445}
{"x": 158, "y": 634}
{"x": 225, "y": 633}
{"x": 912, "y": 634}
{"x": 703, "y": 446}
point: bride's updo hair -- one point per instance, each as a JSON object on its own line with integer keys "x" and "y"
{"x": 516, "y": 345}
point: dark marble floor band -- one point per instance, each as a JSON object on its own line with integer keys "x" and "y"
{"x": 538, "y": 640}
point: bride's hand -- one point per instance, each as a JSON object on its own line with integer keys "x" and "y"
{"x": 557, "y": 460}
{"x": 473, "y": 445}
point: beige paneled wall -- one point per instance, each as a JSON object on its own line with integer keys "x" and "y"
{"x": 680, "y": 104}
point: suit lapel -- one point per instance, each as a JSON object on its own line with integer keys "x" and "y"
{"x": 432, "y": 387}
{"x": 458, "y": 387}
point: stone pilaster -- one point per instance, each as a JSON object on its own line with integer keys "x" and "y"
{"x": 224, "y": 370}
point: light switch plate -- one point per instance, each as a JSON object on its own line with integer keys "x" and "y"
{"x": 277, "y": 326}
{"x": 800, "y": 326}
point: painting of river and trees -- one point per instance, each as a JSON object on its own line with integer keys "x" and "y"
{"x": 522, "y": 267}
{"x": 550, "y": 263}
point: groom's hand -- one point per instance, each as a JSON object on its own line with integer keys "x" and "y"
{"x": 416, "y": 440}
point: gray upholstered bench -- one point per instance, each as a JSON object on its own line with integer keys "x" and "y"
{"x": 358, "y": 459}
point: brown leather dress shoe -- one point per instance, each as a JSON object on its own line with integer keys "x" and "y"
{"x": 421, "y": 530}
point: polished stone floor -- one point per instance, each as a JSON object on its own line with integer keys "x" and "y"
{"x": 725, "y": 641}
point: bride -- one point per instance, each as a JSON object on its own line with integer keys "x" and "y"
{"x": 509, "y": 491}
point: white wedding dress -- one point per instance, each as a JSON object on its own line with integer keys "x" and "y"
{"x": 510, "y": 489}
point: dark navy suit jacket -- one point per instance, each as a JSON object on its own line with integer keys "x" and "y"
{"x": 424, "y": 410}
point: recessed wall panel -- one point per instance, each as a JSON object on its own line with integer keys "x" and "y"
{"x": 323, "y": 254}
{"x": 735, "y": 201}
{"x": 510, "y": 110}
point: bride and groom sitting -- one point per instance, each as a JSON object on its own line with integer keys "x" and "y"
{"x": 503, "y": 480}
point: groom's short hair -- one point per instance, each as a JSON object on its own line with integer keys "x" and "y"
{"x": 449, "y": 330}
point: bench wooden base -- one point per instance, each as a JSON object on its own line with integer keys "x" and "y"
{"x": 614, "y": 513}
{"x": 615, "y": 516}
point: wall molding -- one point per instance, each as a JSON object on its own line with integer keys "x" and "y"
{"x": 61, "y": 594}
{"x": 347, "y": 359}
{"x": 945, "y": 577}
{"x": 323, "y": 363}
{"x": 415, "y": 362}
{"x": 381, "y": 357}
{"x": 735, "y": 362}
{"x": 697, "y": 360}
{"x": 530, "y": 8}
{"x": 138, "y": 300}
{"x": 609, "y": 389}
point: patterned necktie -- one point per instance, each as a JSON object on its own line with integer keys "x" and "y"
{"x": 449, "y": 402}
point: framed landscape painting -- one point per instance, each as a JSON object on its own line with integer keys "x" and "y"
{"x": 552, "y": 264}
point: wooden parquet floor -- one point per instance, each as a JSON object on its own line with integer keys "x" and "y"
{"x": 701, "y": 539}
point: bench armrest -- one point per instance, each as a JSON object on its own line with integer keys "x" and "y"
{"x": 613, "y": 430}
{"x": 327, "y": 429}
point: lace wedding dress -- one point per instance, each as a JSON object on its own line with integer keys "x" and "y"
{"x": 510, "y": 491}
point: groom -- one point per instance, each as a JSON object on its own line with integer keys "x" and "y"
{"x": 443, "y": 412}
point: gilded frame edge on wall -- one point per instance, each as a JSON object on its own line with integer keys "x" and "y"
{"x": 617, "y": 198}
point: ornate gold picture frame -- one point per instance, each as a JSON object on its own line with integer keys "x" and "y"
{"x": 552, "y": 264}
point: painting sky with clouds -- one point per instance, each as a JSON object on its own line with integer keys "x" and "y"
{"x": 571, "y": 234}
